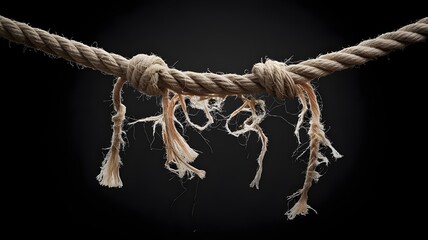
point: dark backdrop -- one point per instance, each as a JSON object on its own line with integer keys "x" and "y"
{"x": 60, "y": 118}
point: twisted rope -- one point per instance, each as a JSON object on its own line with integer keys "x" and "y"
{"x": 150, "y": 74}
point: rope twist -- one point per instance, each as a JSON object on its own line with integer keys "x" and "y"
{"x": 275, "y": 79}
{"x": 143, "y": 73}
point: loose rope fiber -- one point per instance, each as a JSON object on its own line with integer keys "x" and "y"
{"x": 206, "y": 92}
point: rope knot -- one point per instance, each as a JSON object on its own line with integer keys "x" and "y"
{"x": 143, "y": 73}
{"x": 275, "y": 79}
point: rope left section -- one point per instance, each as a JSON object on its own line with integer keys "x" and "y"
{"x": 57, "y": 46}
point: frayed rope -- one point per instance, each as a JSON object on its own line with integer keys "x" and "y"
{"x": 151, "y": 75}
{"x": 317, "y": 137}
{"x": 179, "y": 155}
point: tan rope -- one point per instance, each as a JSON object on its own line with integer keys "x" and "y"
{"x": 150, "y": 74}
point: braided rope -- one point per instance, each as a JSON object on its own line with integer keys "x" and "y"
{"x": 150, "y": 74}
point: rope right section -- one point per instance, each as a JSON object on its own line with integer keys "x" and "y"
{"x": 181, "y": 90}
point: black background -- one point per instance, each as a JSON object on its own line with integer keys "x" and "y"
{"x": 59, "y": 116}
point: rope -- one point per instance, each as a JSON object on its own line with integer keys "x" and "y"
{"x": 150, "y": 74}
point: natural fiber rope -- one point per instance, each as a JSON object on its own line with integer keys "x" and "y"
{"x": 150, "y": 74}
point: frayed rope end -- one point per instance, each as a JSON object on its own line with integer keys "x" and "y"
{"x": 109, "y": 175}
{"x": 300, "y": 208}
